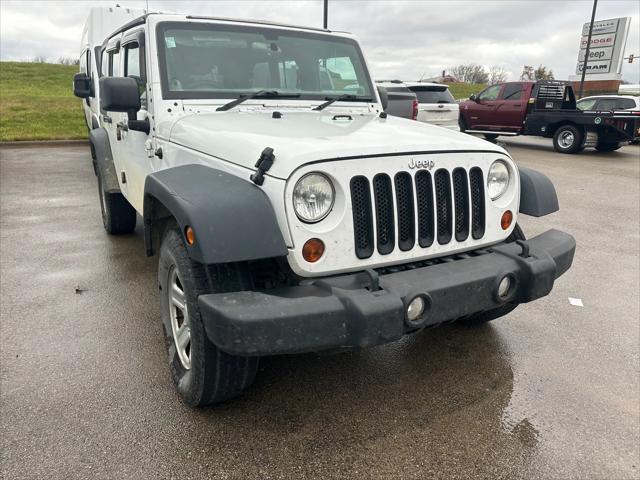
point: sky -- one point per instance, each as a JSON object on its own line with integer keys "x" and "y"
{"x": 400, "y": 39}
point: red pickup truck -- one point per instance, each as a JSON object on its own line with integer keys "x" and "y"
{"x": 547, "y": 109}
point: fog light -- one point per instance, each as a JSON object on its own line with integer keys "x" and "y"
{"x": 312, "y": 250}
{"x": 415, "y": 309}
{"x": 507, "y": 218}
{"x": 504, "y": 287}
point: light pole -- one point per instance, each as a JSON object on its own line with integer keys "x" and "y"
{"x": 326, "y": 14}
{"x": 586, "y": 52}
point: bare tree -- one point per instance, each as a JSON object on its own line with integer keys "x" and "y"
{"x": 527, "y": 73}
{"x": 68, "y": 61}
{"x": 39, "y": 59}
{"x": 470, "y": 73}
{"x": 497, "y": 74}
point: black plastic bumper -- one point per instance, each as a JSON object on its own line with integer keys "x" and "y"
{"x": 344, "y": 311}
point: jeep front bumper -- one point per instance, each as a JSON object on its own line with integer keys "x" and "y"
{"x": 349, "y": 311}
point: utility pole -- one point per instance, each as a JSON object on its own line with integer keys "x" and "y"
{"x": 326, "y": 14}
{"x": 586, "y": 53}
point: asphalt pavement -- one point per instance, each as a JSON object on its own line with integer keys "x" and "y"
{"x": 550, "y": 391}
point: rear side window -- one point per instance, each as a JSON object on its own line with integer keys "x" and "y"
{"x": 625, "y": 103}
{"x": 512, "y": 91}
{"x": 433, "y": 94}
{"x": 607, "y": 104}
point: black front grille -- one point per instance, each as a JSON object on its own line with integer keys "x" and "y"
{"x": 385, "y": 228}
{"x": 404, "y": 199}
{"x": 477, "y": 202}
{"x": 362, "y": 222}
{"x": 461, "y": 201}
{"x": 424, "y": 195}
{"x": 442, "y": 204}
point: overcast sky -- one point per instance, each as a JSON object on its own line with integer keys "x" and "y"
{"x": 400, "y": 39}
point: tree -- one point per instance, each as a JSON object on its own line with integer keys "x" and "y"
{"x": 497, "y": 74}
{"x": 39, "y": 59}
{"x": 470, "y": 73}
{"x": 540, "y": 73}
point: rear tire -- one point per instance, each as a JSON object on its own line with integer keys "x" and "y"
{"x": 607, "y": 147}
{"x": 462, "y": 124}
{"x": 490, "y": 137}
{"x": 201, "y": 372}
{"x": 118, "y": 216}
{"x": 568, "y": 139}
{"x": 484, "y": 317}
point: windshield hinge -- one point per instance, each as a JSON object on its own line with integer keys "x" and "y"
{"x": 263, "y": 165}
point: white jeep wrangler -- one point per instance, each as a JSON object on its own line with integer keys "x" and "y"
{"x": 289, "y": 212}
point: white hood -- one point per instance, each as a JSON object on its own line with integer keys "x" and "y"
{"x": 301, "y": 137}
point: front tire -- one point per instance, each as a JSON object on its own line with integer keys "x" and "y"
{"x": 568, "y": 139}
{"x": 118, "y": 216}
{"x": 484, "y": 317}
{"x": 201, "y": 372}
{"x": 607, "y": 147}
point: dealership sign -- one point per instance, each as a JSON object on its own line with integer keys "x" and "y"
{"x": 606, "y": 49}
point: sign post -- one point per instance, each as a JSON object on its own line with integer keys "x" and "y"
{"x": 586, "y": 55}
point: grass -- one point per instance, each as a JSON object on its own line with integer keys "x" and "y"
{"x": 37, "y": 102}
{"x": 464, "y": 90}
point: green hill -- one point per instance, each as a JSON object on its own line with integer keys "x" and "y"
{"x": 37, "y": 102}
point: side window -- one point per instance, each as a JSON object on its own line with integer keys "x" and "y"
{"x": 490, "y": 93}
{"x": 134, "y": 69}
{"x": 114, "y": 63}
{"x": 104, "y": 64}
{"x": 512, "y": 91}
{"x": 607, "y": 104}
{"x": 586, "y": 104}
{"x": 625, "y": 103}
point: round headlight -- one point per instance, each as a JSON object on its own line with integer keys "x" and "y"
{"x": 498, "y": 179}
{"x": 313, "y": 197}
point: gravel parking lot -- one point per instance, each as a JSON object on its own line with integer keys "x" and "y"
{"x": 552, "y": 390}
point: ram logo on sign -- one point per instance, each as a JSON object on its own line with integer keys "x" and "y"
{"x": 606, "y": 49}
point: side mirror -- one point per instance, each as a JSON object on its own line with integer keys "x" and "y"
{"x": 384, "y": 97}
{"x": 81, "y": 85}
{"x": 473, "y": 97}
{"x": 119, "y": 94}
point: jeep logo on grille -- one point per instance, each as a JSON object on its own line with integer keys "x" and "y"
{"x": 428, "y": 164}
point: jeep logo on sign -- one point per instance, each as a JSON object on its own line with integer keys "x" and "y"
{"x": 428, "y": 164}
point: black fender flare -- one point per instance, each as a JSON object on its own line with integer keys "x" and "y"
{"x": 537, "y": 194}
{"x": 104, "y": 159}
{"x": 232, "y": 218}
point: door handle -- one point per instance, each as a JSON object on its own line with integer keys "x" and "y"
{"x": 517, "y": 105}
{"x": 106, "y": 119}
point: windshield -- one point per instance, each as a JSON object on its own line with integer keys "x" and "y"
{"x": 586, "y": 104}
{"x": 201, "y": 61}
{"x": 433, "y": 94}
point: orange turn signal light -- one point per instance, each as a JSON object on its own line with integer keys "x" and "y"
{"x": 507, "y": 218}
{"x": 312, "y": 250}
{"x": 190, "y": 235}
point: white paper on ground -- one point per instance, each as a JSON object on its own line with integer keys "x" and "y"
{"x": 576, "y": 302}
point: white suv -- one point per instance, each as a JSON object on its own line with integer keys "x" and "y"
{"x": 289, "y": 212}
{"x": 436, "y": 105}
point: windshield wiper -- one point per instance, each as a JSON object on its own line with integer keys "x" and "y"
{"x": 258, "y": 94}
{"x": 342, "y": 98}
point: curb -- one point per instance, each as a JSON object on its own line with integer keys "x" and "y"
{"x": 44, "y": 143}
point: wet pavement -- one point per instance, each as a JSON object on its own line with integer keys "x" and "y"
{"x": 550, "y": 391}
